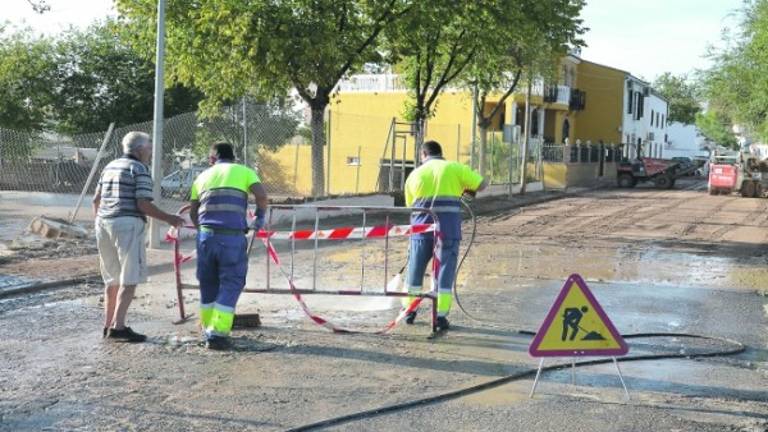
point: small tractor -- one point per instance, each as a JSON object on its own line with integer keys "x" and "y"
{"x": 662, "y": 172}
{"x": 742, "y": 173}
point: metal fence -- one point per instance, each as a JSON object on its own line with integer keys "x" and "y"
{"x": 49, "y": 162}
{"x": 362, "y": 154}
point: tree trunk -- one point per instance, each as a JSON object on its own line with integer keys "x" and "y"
{"x": 483, "y": 156}
{"x": 419, "y": 140}
{"x": 318, "y": 145}
{"x": 524, "y": 155}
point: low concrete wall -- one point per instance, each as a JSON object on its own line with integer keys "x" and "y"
{"x": 555, "y": 175}
{"x": 559, "y": 175}
{"x": 306, "y": 212}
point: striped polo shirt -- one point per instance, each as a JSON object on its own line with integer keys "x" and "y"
{"x": 222, "y": 191}
{"x": 122, "y": 182}
{"x": 438, "y": 185}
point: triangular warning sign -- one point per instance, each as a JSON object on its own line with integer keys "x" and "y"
{"x": 576, "y": 325}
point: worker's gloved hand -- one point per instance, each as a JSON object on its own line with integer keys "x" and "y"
{"x": 258, "y": 222}
{"x": 468, "y": 196}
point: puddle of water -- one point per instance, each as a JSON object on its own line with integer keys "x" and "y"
{"x": 652, "y": 264}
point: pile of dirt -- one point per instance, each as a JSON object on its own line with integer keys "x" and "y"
{"x": 31, "y": 247}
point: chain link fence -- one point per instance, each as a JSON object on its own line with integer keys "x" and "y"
{"x": 49, "y": 162}
{"x": 361, "y": 154}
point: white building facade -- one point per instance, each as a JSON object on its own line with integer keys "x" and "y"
{"x": 684, "y": 140}
{"x": 644, "y": 124}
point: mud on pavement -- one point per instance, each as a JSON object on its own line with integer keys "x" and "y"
{"x": 658, "y": 261}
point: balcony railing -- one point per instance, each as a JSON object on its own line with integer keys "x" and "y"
{"x": 559, "y": 94}
{"x": 393, "y": 83}
{"x": 372, "y": 83}
{"x": 578, "y": 100}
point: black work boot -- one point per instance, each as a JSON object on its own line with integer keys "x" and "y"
{"x": 410, "y": 317}
{"x": 125, "y": 335}
{"x": 218, "y": 343}
{"x": 442, "y": 324}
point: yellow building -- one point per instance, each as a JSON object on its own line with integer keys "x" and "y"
{"x": 371, "y": 148}
{"x": 604, "y": 89}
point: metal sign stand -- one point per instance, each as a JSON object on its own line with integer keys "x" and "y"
{"x": 573, "y": 377}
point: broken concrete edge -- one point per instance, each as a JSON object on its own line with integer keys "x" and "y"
{"x": 39, "y": 286}
{"x": 55, "y": 228}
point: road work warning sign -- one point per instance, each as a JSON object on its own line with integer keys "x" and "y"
{"x": 576, "y": 325}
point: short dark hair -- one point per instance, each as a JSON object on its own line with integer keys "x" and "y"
{"x": 432, "y": 148}
{"x": 223, "y": 150}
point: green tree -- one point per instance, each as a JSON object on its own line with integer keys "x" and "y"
{"x": 735, "y": 86}
{"x": 101, "y": 79}
{"x": 229, "y": 48}
{"x": 532, "y": 36}
{"x": 484, "y": 42}
{"x": 431, "y": 47}
{"x": 27, "y": 69}
{"x": 267, "y": 126}
{"x": 680, "y": 93}
{"x": 716, "y": 127}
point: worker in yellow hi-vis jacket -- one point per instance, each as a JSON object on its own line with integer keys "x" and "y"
{"x": 219, "y": 204}
{"x": 438, "y": 185}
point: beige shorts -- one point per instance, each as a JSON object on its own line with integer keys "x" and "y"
{"x": 122, "y": 250}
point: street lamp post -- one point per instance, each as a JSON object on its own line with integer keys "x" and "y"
{"x": 157, "y": 124}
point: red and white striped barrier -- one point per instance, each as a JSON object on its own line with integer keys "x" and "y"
{"x": 317, "y": 319}
{"x": 378, "y": 231}
{"x": 342, "y": 233}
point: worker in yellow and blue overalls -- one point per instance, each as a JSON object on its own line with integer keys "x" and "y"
{"x": 438, "y": 185}
{"x": 219, "y": 205}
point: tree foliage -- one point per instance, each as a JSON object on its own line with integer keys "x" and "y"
{"x": 431, "y": 47}
{"x": 79, "y": 81}
{"x": 484, "y": 42}
{"x": 265, "y": 125}
{"x": 229, "y": 48}
{"x": 101, "y": 79}
{"x": 735, "y": 86}
{"x": 531, "y": 37}
{"x": 716, "y": 127}
{"x": 27, "y": 69}
{"x": 681, "y": 95}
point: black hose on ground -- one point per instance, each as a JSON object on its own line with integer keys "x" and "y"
{"x": 736, "y": 348}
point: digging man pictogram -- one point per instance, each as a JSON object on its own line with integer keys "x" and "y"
{"x": 571, "y": 319}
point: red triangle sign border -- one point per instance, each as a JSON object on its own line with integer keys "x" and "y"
{"x": 572, "y": 280}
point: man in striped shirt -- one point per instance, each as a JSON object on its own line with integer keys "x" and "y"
{"x": 121, "y": 204}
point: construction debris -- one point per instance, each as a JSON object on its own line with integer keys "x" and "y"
{"x": 54, "y": 228}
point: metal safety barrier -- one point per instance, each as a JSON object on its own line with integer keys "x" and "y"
{"x": 366, "y": 233}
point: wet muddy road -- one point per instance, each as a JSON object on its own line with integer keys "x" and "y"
{"x": 658, "y": 261}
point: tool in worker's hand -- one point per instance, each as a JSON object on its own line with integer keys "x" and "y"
{"x": 468, "y": 196}
{"x": 255, "y": 226}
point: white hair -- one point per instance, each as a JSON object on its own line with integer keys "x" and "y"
{"x": 133, "y": 141}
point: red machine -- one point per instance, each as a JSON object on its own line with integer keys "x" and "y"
{"x": 742, "y": 173}
{"x": 722, "y": 178}
{"x": 663, "y": 172}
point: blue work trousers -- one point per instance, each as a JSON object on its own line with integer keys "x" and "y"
{"x": 222, "y": 264}
{"x": 418, "y": 258}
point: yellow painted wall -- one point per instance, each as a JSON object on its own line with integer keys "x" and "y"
{"x": 555, "y": 175}
{"x": 559, "y": 175}
{"x": 602, "y": 117}
{"x": 283, "y": 175}
{"x": 362, "y": 120}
